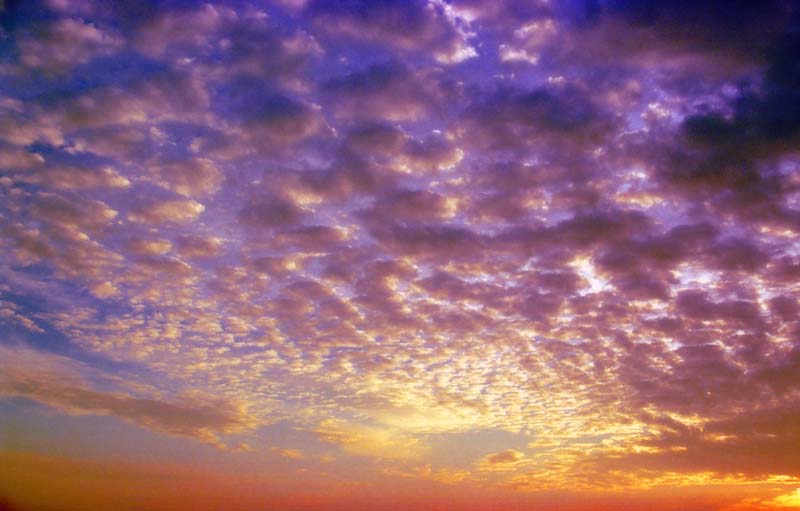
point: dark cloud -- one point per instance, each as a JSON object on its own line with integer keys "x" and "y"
{"x": 408, "y": 205}
{"x": 547, "y": 118}
{"x": 508, "y": 456}
{"x": 269, "y": 212}
{"x": 60, "y": 45}
{"x": 410, "y": 26}
{"x": 318, "y": 238}
{"x": 269, "y": 120}
{"x": 388, "y": 91}
{"x": 739, "y": 29}
{"x": 439, "y": 241}
{"x": 754, "y": 443}
{"x": 71, "y": 211}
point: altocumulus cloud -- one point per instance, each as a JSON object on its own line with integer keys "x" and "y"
{"x": 566, "y": 228}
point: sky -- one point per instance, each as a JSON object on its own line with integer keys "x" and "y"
{"x": 399, "y": 255}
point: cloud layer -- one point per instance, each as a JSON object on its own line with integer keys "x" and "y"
{"x": 389, "y": 223}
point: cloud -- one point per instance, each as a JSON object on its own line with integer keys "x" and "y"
{"x": 72, "y": 211}
{"x": 311, "y": 238}
{"x": 757, "y": 444}
{"x": 182, "y": 29}
{"x": 389, "y": 146}
{"x": 435, "y": 240}
{"x": 410, "y": 205}
{"x": 194, "y": 177}
{"x": 148, "y": 247}
{"x": 171, "y": 95}
{"x": 508, "y": 118}
{"x": 9, "y": 314}
{"x": 57, "y": 381}
{"x": 73, "y": 178}
{"x": 790, "y": 500}
{"x": 292, "y": 454}
{"x": 199, "y": 246}
{"x": 508, "y": 460}
{"x": 176, "y": 210}
{"x": 385, "y": 91}
{"x": 15, "y": 158}
{"x": 65, "y": 43}
{"x": 372, "y": 441}
{"x": 414, "y": 26}
{"x": 503, "y": 457}
{"x": 269, "y": 212}
{"x": 675, "y": 37}
{"x": 246, "y": 42}
{"x": 68, "y": 251}
{"x": 269, "y": 121}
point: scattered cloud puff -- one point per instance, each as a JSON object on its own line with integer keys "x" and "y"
{"x": 64, "y": 43}
{"x": 385, "y": 223}
{"x": 424, "y": 27}
{"x": 195, "y": 177}
{"x": 502, "y": 461}
{"x": 293, "y": 454}
{"x": 175, "y": 210}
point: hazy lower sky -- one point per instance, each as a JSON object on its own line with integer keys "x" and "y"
{"x": 399, "y": 255}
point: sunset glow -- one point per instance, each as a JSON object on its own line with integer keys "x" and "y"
{"x": 399, "y": 255}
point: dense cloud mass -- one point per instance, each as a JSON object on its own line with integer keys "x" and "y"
{"x": 391, "y": 225}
